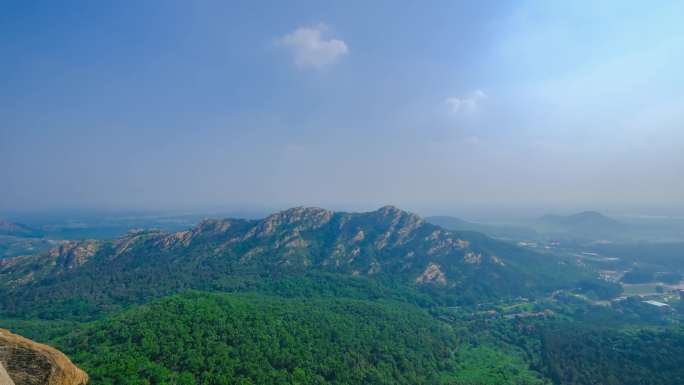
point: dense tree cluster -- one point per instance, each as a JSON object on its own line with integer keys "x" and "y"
{"x": 200, "y": 338}
{"x": 580, "y": 355}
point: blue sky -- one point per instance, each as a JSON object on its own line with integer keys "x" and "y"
{"x": 426, "y": 105}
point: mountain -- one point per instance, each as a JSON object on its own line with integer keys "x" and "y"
{"x": 18, "y": 239}
{"x": 497, "y": 231}
{"x": 17, "y": 229}
{"x": 24, "y": 362}
{"x": 387, "y": 246}
{"x": 11, "y": 246}
{"x": 587, "y": 224}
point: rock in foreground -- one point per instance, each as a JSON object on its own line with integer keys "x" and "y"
{"x": 24, "y": 362}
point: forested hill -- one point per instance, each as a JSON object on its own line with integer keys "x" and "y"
{"x": 388, "y": 245}
{"x": 201, "y": 338}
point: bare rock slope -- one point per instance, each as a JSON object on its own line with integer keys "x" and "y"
{"x": 25, "y": 362}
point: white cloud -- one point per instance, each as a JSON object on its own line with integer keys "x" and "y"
{"x": 467, "y": 103}
{"x": 310, "y": 49}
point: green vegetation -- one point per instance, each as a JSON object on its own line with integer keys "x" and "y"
{"x": 650, "y": 256}
{"x": 311, "y": 297}
{"x": 578, "y": 354}
{"x": 638, "y": 276}
{"x": 40, "y": 330}
{"x": 204, "y": 338}
{"x": 307, "y": 335}
{"x": 200, "y": 338}
{"x": 89, "y": 279}
{"x": 490, "y": 365}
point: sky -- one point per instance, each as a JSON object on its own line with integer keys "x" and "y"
{"x": 434, "y": 106}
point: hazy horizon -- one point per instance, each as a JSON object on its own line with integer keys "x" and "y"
{"x": 472, "y": 109}
{"x": 472, "y": 213}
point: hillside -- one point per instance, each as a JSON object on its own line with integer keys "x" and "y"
{"x": 18, "y": 239}
{"x": 584, "y": 354}
{"x": 202, "y": 338}
{"x": 212, "y": 338}
{"x": 387, "y": 245}
{"x": 587, "y": 224}
{"x": 11, "y": 246}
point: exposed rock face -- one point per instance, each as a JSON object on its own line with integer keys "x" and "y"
{"x": 5, "y": 379}
{"x": 472, "y": 258}
{"x": 73, "y": 254}
{"x": 298, "y": 238}
{"x": 24, "y": 362}
{"x": 432, "y": 274}
{"x": 386, "y": 244}
{"x": 57, "y": 261}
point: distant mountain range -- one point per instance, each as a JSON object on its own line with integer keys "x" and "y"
{"x": 17, "y": 229}
{"x": 388, "y": 246}
{"x": 497, "y": 231}
{"x": 585, "y": 224}
{"x": 585, "y": 218}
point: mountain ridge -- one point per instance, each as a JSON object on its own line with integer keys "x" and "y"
{"x": 492, "y": 230}
{"x": 583, "y": 225}
{"x": 584, "y": 217}
{"x": 17, "y": 229}
{"x": 231, "y": 254}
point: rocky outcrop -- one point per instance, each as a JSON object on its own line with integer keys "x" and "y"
{"x": 5, "y": 379}
{"x": 24, "y": 362}
{"x": 72, "y": 255}
{"x": 432, "y": 274}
